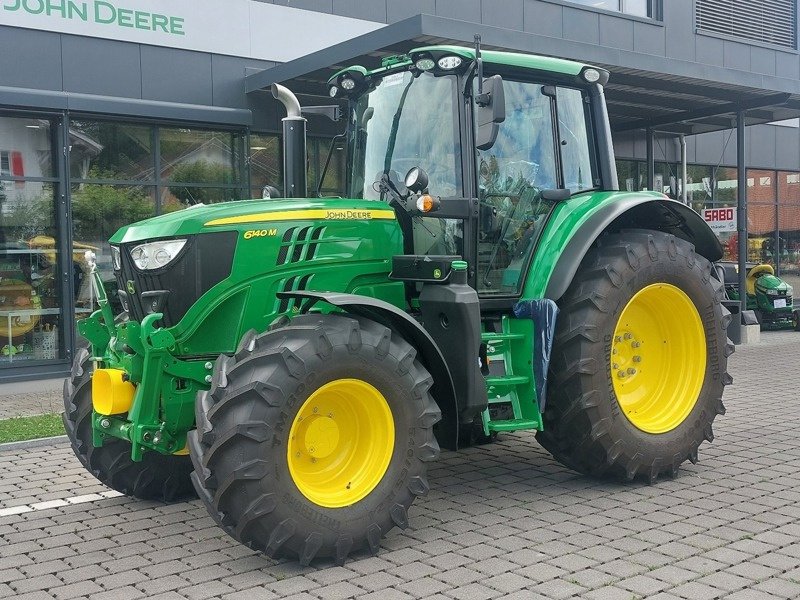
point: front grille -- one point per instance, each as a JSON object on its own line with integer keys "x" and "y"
{"x": 204, "y": 262}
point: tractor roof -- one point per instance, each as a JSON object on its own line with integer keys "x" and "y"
{"x": 511, "y": 59}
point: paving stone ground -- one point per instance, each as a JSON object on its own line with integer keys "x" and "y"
{"x": 501, "y": 521}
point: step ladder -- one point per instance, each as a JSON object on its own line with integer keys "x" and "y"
{"x": 510, "y": 384}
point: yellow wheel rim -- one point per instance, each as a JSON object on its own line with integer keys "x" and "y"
{"x": 341, "y": 443}
{"x": 658, "y": 358}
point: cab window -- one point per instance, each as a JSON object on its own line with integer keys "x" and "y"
{"x": 511, "y": 177}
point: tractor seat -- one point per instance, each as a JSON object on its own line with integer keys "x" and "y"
{"x": 754, "y": 274}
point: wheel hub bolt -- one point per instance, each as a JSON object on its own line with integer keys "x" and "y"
{"x": 208, "y": 378}
{"x": 209, "y": 365}
{"x": 628, "y": 336}
{"x": 105, "y": 423}
{"x": 631, "y": 371}
{"x": 618, "y": 339}
{"x": 615, "y": 366}
{"x": 635, "y": 344}
{"x": 621, "y": 374}
{"x": 637, "y": 359}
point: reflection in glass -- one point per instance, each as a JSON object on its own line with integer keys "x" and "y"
{"x": 604, "y": 4}
{"x": 640, "y": 8}
{"x": 97, "y": 212}
{"x": 333, "y": 185}
{"x": 511, "y": 175}
{"x": 576, "y": 146}
{"x": 406, "y": 122}
{"x": 25, "y": 149}
{"x": 199, "y": 156}
{"x": 111, "y": 151}
{"x": 30, "y": 306}
{"x": 265, "y": 163}
{"x": 789, "y": 226}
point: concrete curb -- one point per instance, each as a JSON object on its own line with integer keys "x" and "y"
{"x": 37, "y": 443}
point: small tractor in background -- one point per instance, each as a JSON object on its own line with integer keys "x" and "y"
{"x": 311, "y": 355}
{"x": 768, "y": 296}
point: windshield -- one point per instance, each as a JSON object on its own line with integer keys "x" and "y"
{"x": 405, "y": 122}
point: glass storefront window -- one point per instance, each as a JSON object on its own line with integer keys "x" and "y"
{"x": 200, "y": 156}
{"x": 761, "y": 217}
{"x": 26, "y": 148}
{"x": 640, "y": 8}
{"x": 788, "y": 184}
{"x": 177, "y": 196}
{"x": 333, "y": 184}
{"x": 110, "y": 151}
{"x": 264, "y": 159}
{"x": 30, "y": 286}
{"x": 97, "y": 212}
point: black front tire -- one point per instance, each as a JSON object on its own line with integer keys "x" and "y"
{"x": 156, "y": 477}
{"x": 243, "y": 424}
{"x": 584, "y": 426}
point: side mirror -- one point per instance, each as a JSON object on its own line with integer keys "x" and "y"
{"x": 490, "y": 111}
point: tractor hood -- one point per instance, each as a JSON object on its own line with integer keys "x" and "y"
{"x": 250, "y": 214}
{"x": 771, "y": 282}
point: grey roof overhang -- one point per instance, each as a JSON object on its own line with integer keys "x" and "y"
{"x": 645, "y": 90}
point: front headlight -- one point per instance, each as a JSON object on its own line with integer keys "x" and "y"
{"x": 116, "y": 260}
{"x": 155, "y": 255}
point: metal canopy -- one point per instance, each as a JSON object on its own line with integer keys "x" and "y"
{"x": 645, "y": 91}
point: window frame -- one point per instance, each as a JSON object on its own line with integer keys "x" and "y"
{"x": 501, "y": 296}
{"x": 655, "y": 9}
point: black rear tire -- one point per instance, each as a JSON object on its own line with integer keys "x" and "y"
{"x": 584, "y": 426}
{"x": 243, "y": 424}
{"x": 156, "y": 477}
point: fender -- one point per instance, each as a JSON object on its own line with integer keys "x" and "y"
{"x": 389, "y": 315}
{"x": 614, "y": 211}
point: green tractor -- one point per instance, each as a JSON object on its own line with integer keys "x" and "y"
{"x": 769, "y": 296}
{"x": 298, "y": 362}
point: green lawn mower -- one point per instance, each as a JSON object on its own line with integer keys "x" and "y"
{"x": 768, "y": 296}
{"x": 298, "y": 362}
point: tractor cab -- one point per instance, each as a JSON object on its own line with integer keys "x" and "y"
{"x": 498, "y": 145}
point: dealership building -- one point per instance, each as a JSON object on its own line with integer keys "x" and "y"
{"x": 112, "y": 111}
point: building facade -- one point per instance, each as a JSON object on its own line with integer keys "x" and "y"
{"x": 112, "y": 112}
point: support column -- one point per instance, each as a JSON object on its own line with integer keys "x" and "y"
{"x": 684, "y": 171}
{"x": 741, "y": 207}
{"x": 651, "y": 162}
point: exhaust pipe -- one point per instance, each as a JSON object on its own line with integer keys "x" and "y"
{"x": 295, "y": 183}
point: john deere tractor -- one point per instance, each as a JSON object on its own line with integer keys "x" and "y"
{"x": 481, "y": 274}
